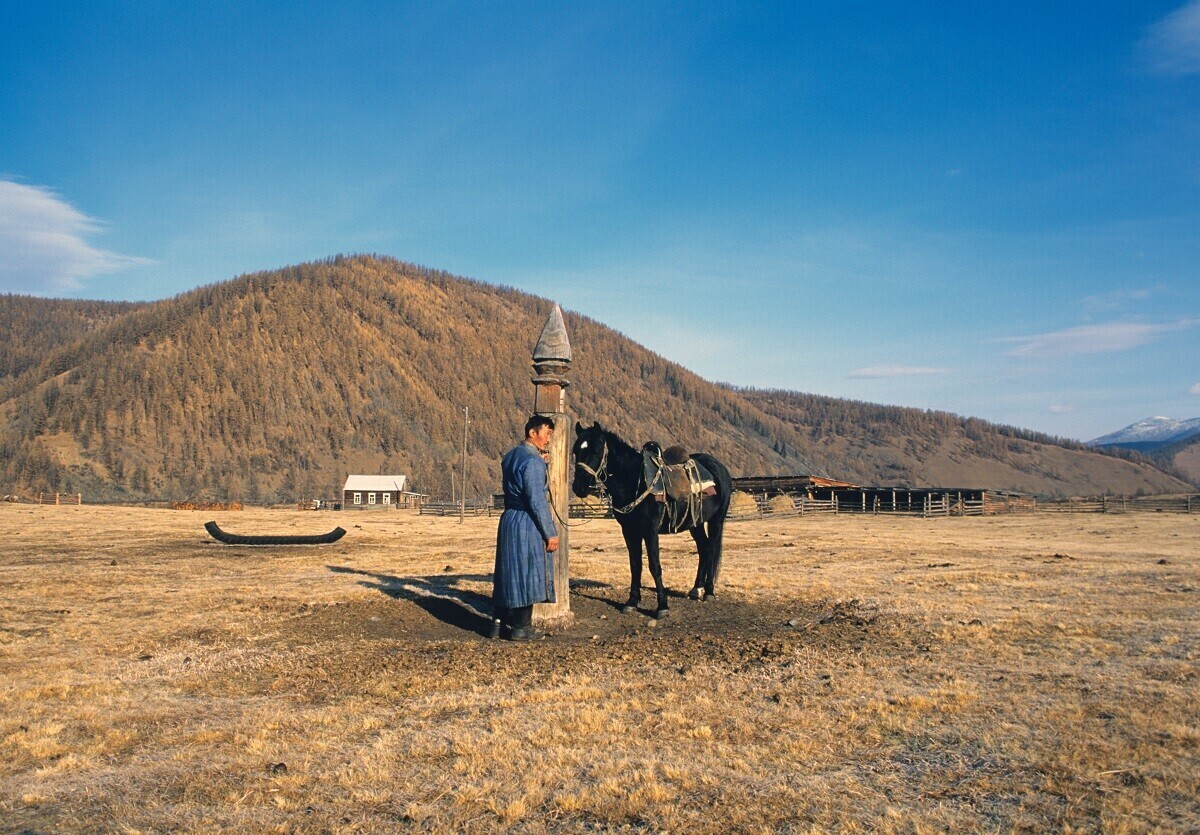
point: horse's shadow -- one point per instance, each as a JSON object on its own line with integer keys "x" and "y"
{"x": 439, "y": 595}
{"x": 616, "y": 603}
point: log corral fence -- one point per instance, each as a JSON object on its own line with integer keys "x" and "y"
{"x": 60, "y": 498}
{"x": 932, "y": 502}
{"x": 750, "y": 506}
{"x": 478, "y": 507}
{"x": 1119, "y": 504}
{"x": 593, "y": 508}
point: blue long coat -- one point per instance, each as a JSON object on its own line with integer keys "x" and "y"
{"x": 524, "y": 572}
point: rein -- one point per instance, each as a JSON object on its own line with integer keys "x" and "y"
{"x": 564, "y": 522}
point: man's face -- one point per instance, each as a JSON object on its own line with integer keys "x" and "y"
{"x": 540, "y": 437}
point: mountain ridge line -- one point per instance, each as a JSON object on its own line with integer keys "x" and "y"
{"x": 275, "y": 385}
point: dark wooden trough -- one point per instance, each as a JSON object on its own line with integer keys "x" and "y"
{"x": 269, "y": 539}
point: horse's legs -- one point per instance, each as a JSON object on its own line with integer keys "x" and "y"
{"x": 703, "y": 563}
{"x": 633, "y": 543}
{"x": 656, "y": 573}
{"x": 716, "y": 537}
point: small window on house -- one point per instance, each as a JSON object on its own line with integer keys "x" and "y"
{"x": 370, "y": 498}
{"x": 358, "y": 498}
{"x": 387, "y": 498}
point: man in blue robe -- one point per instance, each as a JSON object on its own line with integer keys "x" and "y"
{"x": 527, "y": 538}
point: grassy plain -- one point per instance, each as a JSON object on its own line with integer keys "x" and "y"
{"x": 1024, "y": 673}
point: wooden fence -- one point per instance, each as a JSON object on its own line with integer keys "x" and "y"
{"x": 60, "y": 498}
{"x": 933, "y": 505}
{"x": 800, "y": 504}
{"x": 1115, "y": 504}
{"x": 473, "y": 508}
{"x": 593, "y": 508}
{"x": 781, "y": 505}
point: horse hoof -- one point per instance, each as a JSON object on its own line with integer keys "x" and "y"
{"x": 661, "y": 614}
{"x": 696, "y": 594}
{"x": 628, "y": 609}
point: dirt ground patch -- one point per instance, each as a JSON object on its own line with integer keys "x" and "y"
{"x": 854, "y": 673}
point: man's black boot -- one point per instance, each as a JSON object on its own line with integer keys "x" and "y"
{"x": 524, "y": 633}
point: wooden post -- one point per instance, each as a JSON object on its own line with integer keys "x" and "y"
{"x": 462, "y": 507}
{"x": 551, "y": 362}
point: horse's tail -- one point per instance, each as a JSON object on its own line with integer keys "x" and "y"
{"x": 716, "y": 523}
{"x": 717, "y": 531}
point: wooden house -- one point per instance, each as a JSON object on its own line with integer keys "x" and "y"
{"x": 370, "y": 492}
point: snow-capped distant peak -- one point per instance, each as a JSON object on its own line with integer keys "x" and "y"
{"x": 1151, "y": 430}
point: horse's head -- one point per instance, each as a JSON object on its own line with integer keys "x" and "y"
{"x": 591, "y": 456}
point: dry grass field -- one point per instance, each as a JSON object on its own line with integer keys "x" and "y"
{"x": 1025, "y": 673}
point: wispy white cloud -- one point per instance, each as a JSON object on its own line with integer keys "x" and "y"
{"x": 1116, "y": 301}
{"x": 1060, "y": 409}
{"x": 1171, "y": 46}
{"x": 42, "y": 243}
{"x": 1091, "y": 339}
{"x": 881, "y": 372}
{"x": 1194, "y": 389}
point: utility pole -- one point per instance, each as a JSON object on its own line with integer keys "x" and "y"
{"x": 462, "y": 503}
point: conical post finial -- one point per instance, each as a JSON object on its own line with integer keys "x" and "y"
{"x": 551, "y": 362}
{"x": 553, "y": 344}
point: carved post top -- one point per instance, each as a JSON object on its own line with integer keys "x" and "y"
{"x": 553, "y": 345}
{"x": 551, "y": 362}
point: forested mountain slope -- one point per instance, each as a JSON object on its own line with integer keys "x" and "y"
{"x": 274, "y": 386}
{"x": 1182, "y": 456}
{"x": 890, "y": 445}
{"x": 31, "y": 328}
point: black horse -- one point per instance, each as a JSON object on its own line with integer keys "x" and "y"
{"x": 603, "y": 462}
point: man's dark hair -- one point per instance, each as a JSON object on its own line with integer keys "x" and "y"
{"x": 536, "y": 422}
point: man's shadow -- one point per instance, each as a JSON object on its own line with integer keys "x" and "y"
{"x": 439, "y": 595}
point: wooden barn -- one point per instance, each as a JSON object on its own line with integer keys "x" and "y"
{"x": 851, "y": 498}
{"x": 369, "y": 492}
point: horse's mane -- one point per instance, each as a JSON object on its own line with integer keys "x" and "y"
{"x": 616, "y": 441}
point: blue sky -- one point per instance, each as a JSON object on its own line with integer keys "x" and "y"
{"x": 988, "y": 209}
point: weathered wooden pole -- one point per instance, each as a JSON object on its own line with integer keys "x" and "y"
{"x": 551, "y": 362}
{"x": 462, "y": 505}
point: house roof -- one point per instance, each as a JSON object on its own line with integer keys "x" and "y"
{"x": 376, "y": 483}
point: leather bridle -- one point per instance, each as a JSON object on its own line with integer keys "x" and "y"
{"x": 600, "y": 476}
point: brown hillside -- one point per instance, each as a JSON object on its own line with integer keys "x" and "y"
{"x": 273, "y": 386}
{"x": 1183, "y": 456}
{"x": 886, "y": 445}
{"x": 33, "y": 328}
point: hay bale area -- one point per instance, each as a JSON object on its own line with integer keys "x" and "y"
{"x": 197, "y": 505}
{"x": 742, "y": 504}
{"x": 781, "y": 504}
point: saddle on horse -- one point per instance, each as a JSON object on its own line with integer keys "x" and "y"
{"x": 679, "y": 483}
